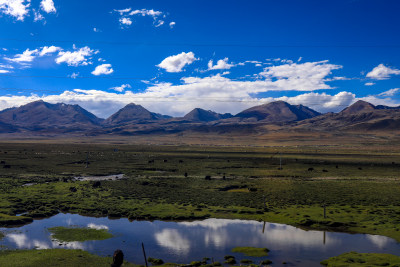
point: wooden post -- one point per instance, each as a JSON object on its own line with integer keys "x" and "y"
{"x": 144, "y": 254}
{"x": 324, "y": 237}
{"x": 263, "y": 228}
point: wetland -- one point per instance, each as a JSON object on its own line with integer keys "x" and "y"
{"x": 346, "y": 189}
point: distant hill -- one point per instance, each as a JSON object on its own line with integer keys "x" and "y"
{"x": 278, "y": 111}
{"x": 42, "y": 115}
{"x": 358, "y": 116}
{"x": 202, "y": 115}
{"x": 41, "y": 118}
{"x": 133, "y": 113}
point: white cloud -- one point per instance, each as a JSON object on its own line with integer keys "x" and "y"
{"x": 146, "y": 12}
{"x": 15, "y": 8}
{"x": 37, "y": 16}
{"x": 74, "y": 75}
{"x": 96, "y": 30}
{"x": 121, "y": 88}
{"x": 122, "y": 11}
{"x": 390, "y": 92}
{"x": 4, "y": 71}
{"x": 127, "y": 14}
{"x": 49, "y": 50}
{"x": 172, "y": 24}
{"x": 369, "y": 84}
{"x": 48, "y": 6}
{"x": 26, "y": 57}
{"x": 125, "y": 21}
{"x": 176, "y": 63}
{"x": 381, "y": 72}
{"x": 105, "y": 69}
{"x": 75, "y": 58}
{"x": 222, "y": 64}
{"x": 158, "y": 23}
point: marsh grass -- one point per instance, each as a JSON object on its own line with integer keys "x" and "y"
{"x": 70, "y": 234}
{"x": 353, "y": 259}
{"x": 251, "y": 251}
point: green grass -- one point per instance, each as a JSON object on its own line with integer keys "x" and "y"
{"x": 53, "y": 257}
{"x": 251, "y": 251}
{"x": 353, "y": 259}
{"x": 69, "y": 234}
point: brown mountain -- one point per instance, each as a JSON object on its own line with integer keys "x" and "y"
{"x": 201, "y": 115}
{"x": 278, "y": 111}
{"x": 133, "y": 113}
{"x": 359, "y": 116}
{"x": 40, "y": 115}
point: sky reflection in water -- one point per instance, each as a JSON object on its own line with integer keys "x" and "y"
{"x": 183, "y": 242}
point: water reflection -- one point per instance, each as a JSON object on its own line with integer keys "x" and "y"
{"x": 22, "y": 241}
{"x": 183, "y": 242}
{"x": 172, "y": 239}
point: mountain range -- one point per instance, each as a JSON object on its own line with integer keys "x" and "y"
{"x": 41, "y": 117}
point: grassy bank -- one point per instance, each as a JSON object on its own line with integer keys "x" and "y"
{"x": 353, "y": 259}
{"x": 53, "y": 257}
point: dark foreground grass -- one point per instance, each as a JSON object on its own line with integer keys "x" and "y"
{"x": 251, "y": 251}
{"x": 69, "y": 234}
{"x": 54, "y": 258}
{"x": 353, "y": 259}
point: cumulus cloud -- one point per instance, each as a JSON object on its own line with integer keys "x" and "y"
{"x": 79, "y": 57}
{"x": 19, "y": 9}
{"x": 121, "y": 88}
{"x": 26, "y": 57}
{"x": 96, "y": 30}
{"x": 105, "y": 69}
{"x": 369, "y": 84}
{"x": 172, "y": 24}
{"x": 381, "y": 72}
{"x": 103, "y": 104}
{"x": 48, "y": 6}
{"x": 125, "y": 21}
{"x": 176, "y": 63}
{"x": 15, "y": 8}
{"x": 49, "y": 50}
{"x": 222, "y": 64}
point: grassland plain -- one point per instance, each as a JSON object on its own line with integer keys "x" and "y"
{"x": 359, "y": 184}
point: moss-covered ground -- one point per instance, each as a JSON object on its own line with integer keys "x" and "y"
{"x": 69, "y": 234}
{"x": 54, "y": 258}
{"x": 354, "y": 259}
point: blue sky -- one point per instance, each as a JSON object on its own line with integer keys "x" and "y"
{"x": 173, "y": 56}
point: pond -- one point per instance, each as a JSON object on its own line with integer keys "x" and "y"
{"x": 183, "y": 242}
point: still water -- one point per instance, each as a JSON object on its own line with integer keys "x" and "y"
{"x": 183, "y": 242}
